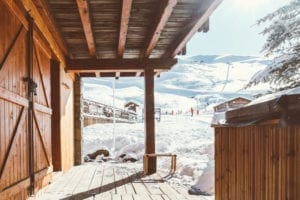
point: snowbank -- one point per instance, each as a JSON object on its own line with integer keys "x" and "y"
{"x": 190, "y": 138}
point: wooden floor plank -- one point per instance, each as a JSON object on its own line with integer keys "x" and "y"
{"x": 165, "y": 197}
{"x": 127, "y": 197}
{"x": 120, "y": 184}
{"x": 71, "y": 181}
{"x": 97, "y": 179}
{"x": 103, "y": 196}
{"x": 141, "y": 197}
{"x": 156, "y": 197}
{"x": 102, "y": 181}
{"x": 139, "y": 186}
{"x": 116, "y": 197}
{"x": 152, "y": 184}
{"x": 129, "y": 186}
{"x": 85, "y": 181}
{"x": 170, "y": 192}
{"x": 108, "y": 181}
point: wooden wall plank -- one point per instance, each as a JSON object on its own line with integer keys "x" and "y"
{"x": 218, "y": 164}
{"x": 262, "y": 161}
{"x": 13, "y": 100}
{"x": 67, "y": 120}
{"x": 15, "y": 189}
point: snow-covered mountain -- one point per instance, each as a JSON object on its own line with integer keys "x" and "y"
{"x": 209, "y": 79}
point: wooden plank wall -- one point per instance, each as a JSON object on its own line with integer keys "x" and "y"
{"x": 257, "y": 162}
{"x": 14, "y": 106}
{"x": 67, "y": 120}
{"x": 62, "y": 119}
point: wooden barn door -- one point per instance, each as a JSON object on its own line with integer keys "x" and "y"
{"x": 41, "y": 164}
{"x": 25, "y": 127}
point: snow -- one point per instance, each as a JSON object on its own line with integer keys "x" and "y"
{"x": 272, "y": 96}
{"x": 173, "y": 133}
{"x": 198, "y": 82}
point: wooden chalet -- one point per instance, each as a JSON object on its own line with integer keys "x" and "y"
{"x": 131, "y": 106}
{"x": 48, "y": 45}
{"x": 231, "y": 104}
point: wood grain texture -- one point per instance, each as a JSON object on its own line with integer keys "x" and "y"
{"x": 14, "y": 142}
{"x": 84, "y": 11}
{"x": 257, "y": 162}
{"x": 129, "y": 29}
{"x": 125, "y": 15}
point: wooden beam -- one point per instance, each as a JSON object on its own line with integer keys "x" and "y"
{"x": 78, "y": 122}
{"x": 45, "y": 13}
{"x": 165, "y": 12}
{"x": 138, "y": 74}
{"x": 40, "y": 22}
{"x": 118, "y": 74}
{"x": 157, "y": 74}
{"x": 184, "y": 37}
{"x": 149, "y": 120}
{"x": 13, "y": 97}
{"x": 83, "y": 9}
{"x": 116, "y": 65}
{"x": 126, "y": 8}
{"x": 56, "y": 115}
{"x": 97, "y": 74}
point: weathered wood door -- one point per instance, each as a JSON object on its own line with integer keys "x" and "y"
{"x": 15, "y": 137}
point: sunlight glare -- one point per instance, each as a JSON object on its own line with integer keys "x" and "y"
{"x": 250, "y": 4}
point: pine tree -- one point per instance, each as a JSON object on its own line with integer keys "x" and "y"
{"x": 283, "y": 42}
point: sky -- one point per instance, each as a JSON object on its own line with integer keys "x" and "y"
{"x": 233, "y": 30}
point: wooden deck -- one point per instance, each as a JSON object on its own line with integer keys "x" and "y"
{"x": 111, "y": 182}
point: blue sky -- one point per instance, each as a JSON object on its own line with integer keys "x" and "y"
{"x": 233, "y": 29}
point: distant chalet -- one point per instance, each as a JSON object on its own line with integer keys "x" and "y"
{"x": 131, "y": 106}
{"x": 232, "y": 104}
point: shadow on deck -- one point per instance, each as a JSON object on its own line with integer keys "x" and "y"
{"x": 107, "y": 181}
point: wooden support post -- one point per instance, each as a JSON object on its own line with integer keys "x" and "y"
{"x": 56, "y": 109}
{"x": 149, "y": 120}
{"x": 77, "y": 121}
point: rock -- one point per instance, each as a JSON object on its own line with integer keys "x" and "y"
{"x": 196, "y": 191}
{"x": 128, "y": 157}
{"x": 93, "y": 156}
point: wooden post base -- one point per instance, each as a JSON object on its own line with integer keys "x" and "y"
{"x": 148, "y": 157}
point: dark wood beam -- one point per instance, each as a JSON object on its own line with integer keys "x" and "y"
{"x": 183, "y": 37}
{"x": 116, "y": 65}
{"x": 165, "y": 12}
{"x": 45, "y": 13}
{"x": 126, "y": 8}
{"x": 83, "y": 9}
{"x": 149, "y": 121}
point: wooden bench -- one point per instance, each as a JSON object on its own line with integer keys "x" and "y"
{"x": 173, "y": 161}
